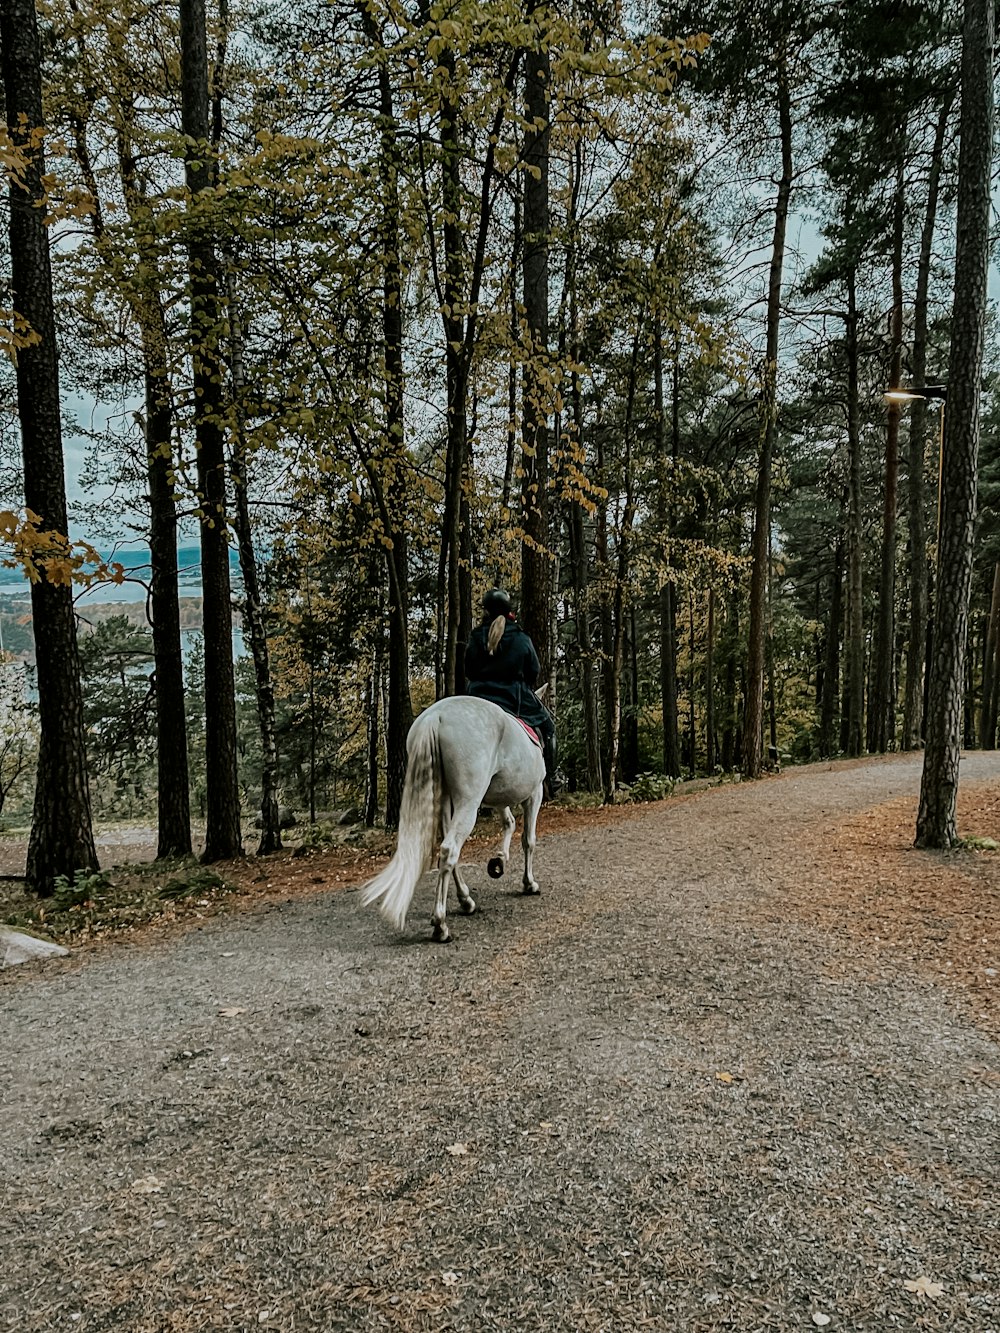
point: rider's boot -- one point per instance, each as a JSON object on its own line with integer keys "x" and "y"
{"x": 554, "y": 780}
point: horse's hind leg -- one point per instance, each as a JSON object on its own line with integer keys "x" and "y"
{"x": 465, "y": 899}
{"x": 528, "y": 838}
{"x": 460, "y": 825}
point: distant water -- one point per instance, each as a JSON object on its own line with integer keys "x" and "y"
{"x": 136, "y": 562}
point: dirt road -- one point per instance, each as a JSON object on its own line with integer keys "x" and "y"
{"x": 652, "y": 1098}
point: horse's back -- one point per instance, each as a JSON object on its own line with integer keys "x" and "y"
{"x": 482, "y": 749}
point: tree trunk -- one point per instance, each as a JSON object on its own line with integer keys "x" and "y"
{"x": 913, "y": 713}
{"x": 603, "y": 571}
{"x": 515, "y": 259}
{"x": 991, "y": 663}
{"x": 692, "y": 723}
{"x": 882, "y": 705}
{"x": 61, "y": 840}
{"x": 579, "y": 560}
{"x": 759, "y": 572}
{"x": 630, "y": 720}
{"x": 534, "y": 426}
{"x": 855, "y": 604}
{"x": 455, "y": 375}
{"x": 939, "y": 785}
{"x": 622, "y": 569}
{"x": 399, "y": 708}
{"x": 374, "y": 694}
{"x": 672, "y": 765}
{"x": 253, "y": 603}
{"x": 731, "y": 747}
{"x": 830, "y": 692}
{"x": 222, "y": 808}
{"x": 173, "y": 797}
{"x": 710, "y": 747}
{"x": 146, "y": 301}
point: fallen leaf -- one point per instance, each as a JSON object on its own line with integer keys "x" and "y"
{"x": 231, "y": 1012}
{"x": 147, "y": 1185}
{"x": 923, "y": 1286}
{"x": 724, "y": 1078}
{"x": 449, "y": 1279}
{"x": 457, "y": 1150}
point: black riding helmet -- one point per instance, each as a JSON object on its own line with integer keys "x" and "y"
{"x": 497, "y": 603}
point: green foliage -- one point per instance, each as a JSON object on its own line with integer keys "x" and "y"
{"x": 194, "y": 883}
{"x": 975, "y": 844}
{"x": 119, "y": 713}
{"x": 86, "y": 886}
{"x": 651, "y": 787}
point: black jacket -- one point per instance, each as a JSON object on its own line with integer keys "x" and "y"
{"x": 508, "y": 677}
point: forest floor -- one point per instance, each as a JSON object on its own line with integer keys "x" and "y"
{"x": 737, "y": 1067}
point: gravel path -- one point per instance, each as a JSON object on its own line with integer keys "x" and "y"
{"x": 645, "y": 1100}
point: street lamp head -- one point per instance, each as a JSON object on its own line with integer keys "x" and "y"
{"x": 938, "y": 391}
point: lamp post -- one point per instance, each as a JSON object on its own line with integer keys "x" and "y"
{"x": 927, "y": 392}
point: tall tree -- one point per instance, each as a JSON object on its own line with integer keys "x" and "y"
{"x": 936, "y": 825}
{"x": 61, "y": 840}
{"x": 535, "y": 571}
{"x": 142, "y": 282}
{"x": 913, "y": 697}
{"x": 222, "y": 807}
{"x": 753, "y": 718}
{"x": 882, "y": 705}
{"x": 399, "y": 708}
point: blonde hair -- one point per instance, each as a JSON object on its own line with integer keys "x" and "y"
{"x": 493, "y": 638}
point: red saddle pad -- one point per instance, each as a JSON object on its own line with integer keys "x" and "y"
{"x": 532, "y": 733}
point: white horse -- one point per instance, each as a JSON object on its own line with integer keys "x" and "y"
{"x": 463, "y": 753}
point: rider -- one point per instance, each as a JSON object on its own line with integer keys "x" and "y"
{"x": 509, "y": 674}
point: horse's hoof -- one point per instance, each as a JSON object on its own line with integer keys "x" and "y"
{"x": 531, "y": 890}
{"x": 441, "y": 934}
{"x": 468, "y": 907}
{"x": 495, "y": 867}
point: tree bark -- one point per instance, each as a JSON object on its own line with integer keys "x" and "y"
{"x": 855, "y": 604}
{"x": 253, "y": 602}
{"x": 61, "y": 839}
{"x": 913, "y": 696}
{"x": 991, "y": 665}
{"x": 671, "y": 745}
{"x": 222, "y": 806}
{"x": 710, "y": 746}
{"x": 534, "y": 425}
{"x": 882, "y": 704}
{"x": 830, "y": 690}
{"x": 620, "y": 582}
{"x": 760, "y": 573}
{"x": 456, "y": 375}
{"x": 399, "y": 708}
{"x": 579, "y": 559}
{"x": 939, "y": 785}
{"x": 145, "y": 298}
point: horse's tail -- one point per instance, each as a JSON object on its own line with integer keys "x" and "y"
{"x": 419, "y": 822}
